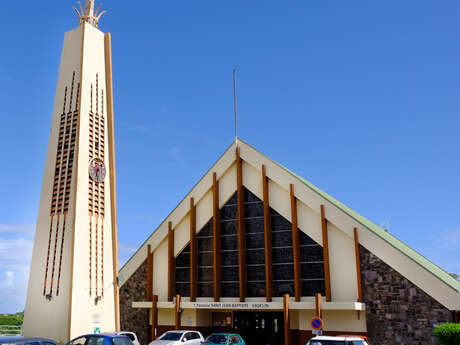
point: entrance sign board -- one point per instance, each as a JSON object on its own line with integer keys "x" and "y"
{"x": 316, "y": 323}
{"x": 236, "y": 305}
{"x": 275, "y": 305}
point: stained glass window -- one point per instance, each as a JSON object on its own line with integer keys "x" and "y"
{"x": 229, "y": 242}
{"x": 311, "y": 255}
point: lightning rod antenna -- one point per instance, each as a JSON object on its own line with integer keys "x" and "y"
{"x": 234, "y": 104}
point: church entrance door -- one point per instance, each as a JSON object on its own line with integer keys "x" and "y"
{"x": 259, "y": 328}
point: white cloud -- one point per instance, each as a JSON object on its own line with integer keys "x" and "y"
{"x": 442, "y": 248}
{"x": 126, "y": 248}
{"x": 14, "y": 289}
{"x": 15, "y": 255}
{"x": 16, "y": 228}
{"x": 176, "y": 154}
{"x": 125, "y": 251}
{"x": 9, "y": 278}
{"x": 448, "y": 238}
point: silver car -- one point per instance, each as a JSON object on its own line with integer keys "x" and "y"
{"x": 182, "y": 337}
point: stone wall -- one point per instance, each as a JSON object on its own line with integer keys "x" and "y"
{"x": 397, "y": 311}
{"x": 135, "y": 320}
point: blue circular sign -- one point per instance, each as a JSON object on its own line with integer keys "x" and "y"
{"x": 316, "y": 323}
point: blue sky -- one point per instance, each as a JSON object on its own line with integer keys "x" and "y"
{"x": 361, "y": 98}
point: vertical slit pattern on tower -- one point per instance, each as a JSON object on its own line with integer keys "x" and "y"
{"x": 96, "y": 257}
{"x": 61, "y": 187}
{"x": 64, "y": 137}
{"x": 96, "y": 189}
{"x": 102, "y": 256}
{"x": 90, "y": 253}
{"x": 70, "y": 137}
{"x": 48, "y": 255}
{"x": 60, "y": 255}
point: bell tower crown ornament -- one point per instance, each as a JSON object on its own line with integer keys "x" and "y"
{"x": 88, "y": 14}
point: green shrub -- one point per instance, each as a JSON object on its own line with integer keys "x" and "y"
{"x": 11, "y": 319}
{"x": 448, "y": 334}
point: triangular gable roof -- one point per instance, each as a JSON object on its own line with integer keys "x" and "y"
{"x": 337, "y": 213}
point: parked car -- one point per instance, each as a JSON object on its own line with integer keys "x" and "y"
{"x": 101, "y": 339}
{"x": 224, "y": 339}
{"x": 182, "y": 337}
{"x": 18, "y": 340}
{"x": 359, "y": 336}
{"x": 131, "y": 335}
{"x": 340, "y": 340}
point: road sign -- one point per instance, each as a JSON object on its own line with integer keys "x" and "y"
{"x": 317, "y": 332}
{"x": 316, "y": 323}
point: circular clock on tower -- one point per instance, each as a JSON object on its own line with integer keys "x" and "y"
{"x": 97, "y": 170}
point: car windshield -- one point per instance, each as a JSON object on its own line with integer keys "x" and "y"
{"x": 171, "y": 336}
{"x": 95, "y": 341}
{"x": 327, "y": 342}
{"x": 121, "y": 341}
{"x": 217, "y": 339}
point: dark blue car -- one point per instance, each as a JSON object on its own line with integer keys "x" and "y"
{"x": 19, "y": 340}
{"x": 101, "y": 339}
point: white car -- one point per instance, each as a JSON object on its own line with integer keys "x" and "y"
{"x": 131, "y": 335}
{"x": 182, "y": 337}
{"x": 346, "y": 340}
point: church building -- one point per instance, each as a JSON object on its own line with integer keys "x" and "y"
{"x": 256, "y": 249}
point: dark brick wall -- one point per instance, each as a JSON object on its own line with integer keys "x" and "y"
{"x": 397, "y": 311}
{"x": 135, "y": 320}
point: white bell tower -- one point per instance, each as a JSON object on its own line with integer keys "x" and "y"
{"x": 73, "y": 285}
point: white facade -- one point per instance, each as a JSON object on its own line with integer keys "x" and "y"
{"x": 72, "y": 287}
